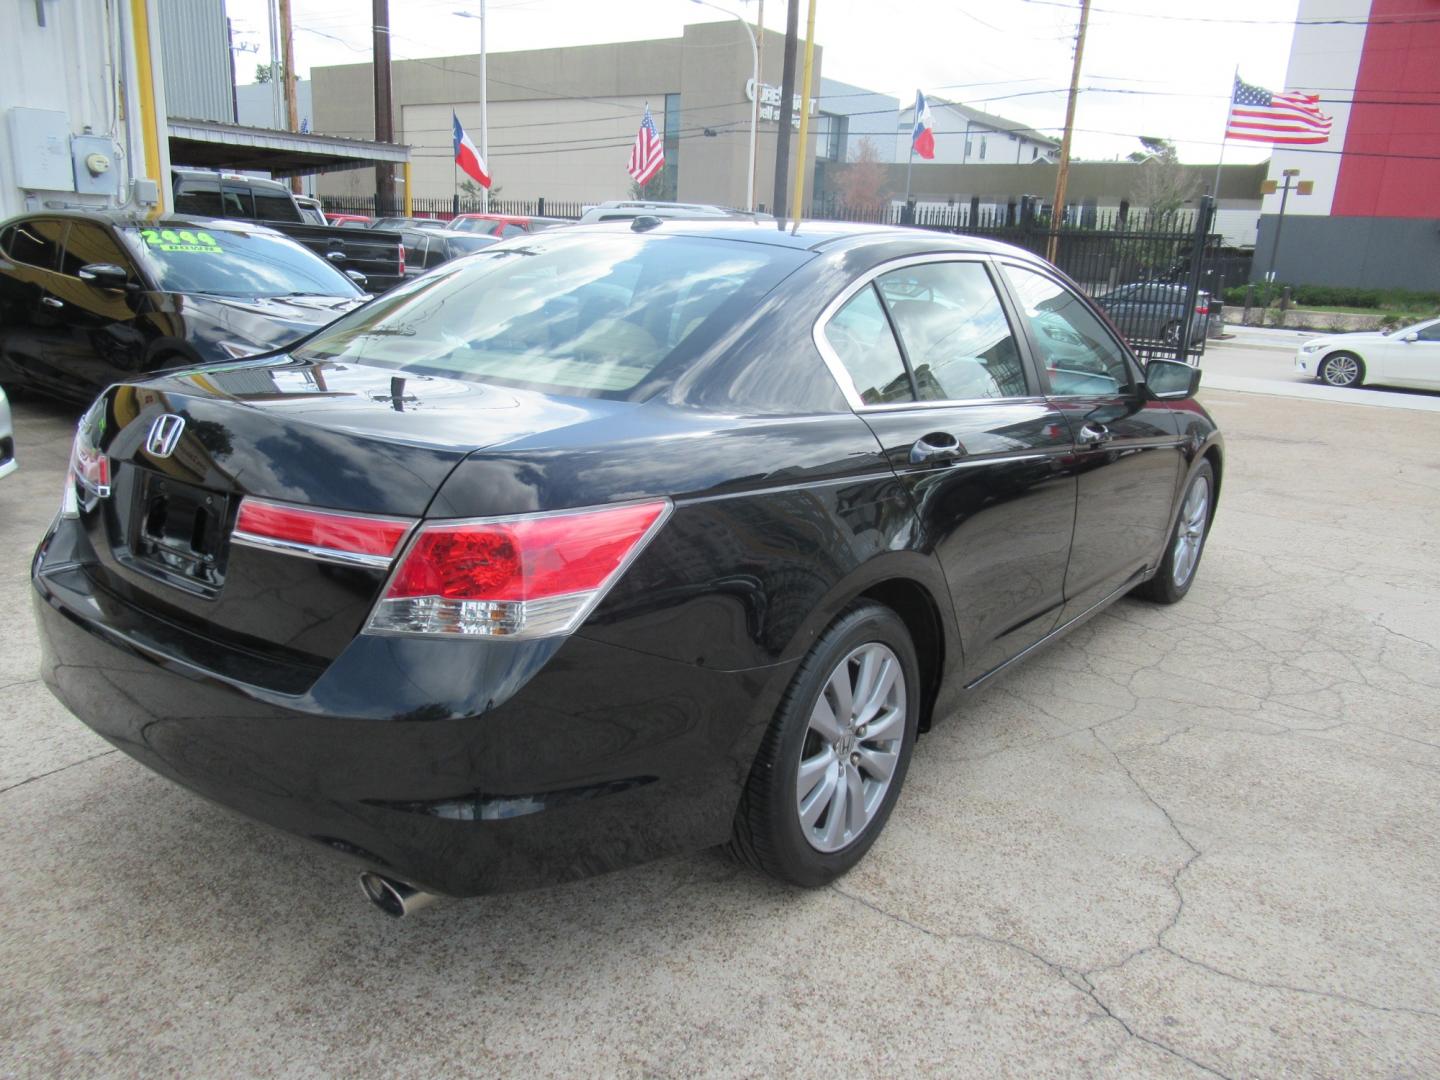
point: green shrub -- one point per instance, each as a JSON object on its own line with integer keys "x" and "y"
{"x": 1407, "y": 300}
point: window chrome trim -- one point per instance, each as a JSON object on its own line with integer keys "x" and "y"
{"x": 841, "y": 374}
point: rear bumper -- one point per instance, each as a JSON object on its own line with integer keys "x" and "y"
{"x": 461, "y": 767}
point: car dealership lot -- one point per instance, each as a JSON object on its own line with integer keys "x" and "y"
{"x": 1184, "y": 840}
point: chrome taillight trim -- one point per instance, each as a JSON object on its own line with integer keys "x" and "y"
{"x": 311, "y": 551}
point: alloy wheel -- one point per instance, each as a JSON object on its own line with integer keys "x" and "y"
{"x": 1190, "y": 534}
{"x": 1341, "y": 370}
{"x": 852, "y": 746}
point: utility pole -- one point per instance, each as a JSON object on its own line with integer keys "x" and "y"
{"x": 384, "y": 106}
{"x": 1062, "y": 174}
{"x": 787, "y": 108}
{"x": 287, "y": 51}
{"x": 804, "y": 144}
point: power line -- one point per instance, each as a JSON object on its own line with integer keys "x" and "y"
{"x": 1383, "y": 20}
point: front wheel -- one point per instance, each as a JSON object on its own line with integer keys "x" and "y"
{"x": 832, "y": 763}
{"x": 1187, "y": 542}
{"x": 1341, "y": 369}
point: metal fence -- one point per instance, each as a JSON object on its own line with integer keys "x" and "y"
{"x": 445, "y": 209}
{"x": 1142, "y": 268}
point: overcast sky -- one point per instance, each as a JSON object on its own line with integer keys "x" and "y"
{"x": 1152, "y": 67}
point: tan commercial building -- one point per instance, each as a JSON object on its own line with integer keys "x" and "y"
{"x": 562, "y": 120}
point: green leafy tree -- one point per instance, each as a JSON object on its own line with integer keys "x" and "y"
{"x": 265, "y": 72}
{"x": 471, "y": 190}
{"x": 661, "y": 187}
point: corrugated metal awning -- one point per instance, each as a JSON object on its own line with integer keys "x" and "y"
{"x": 213, "y": 145}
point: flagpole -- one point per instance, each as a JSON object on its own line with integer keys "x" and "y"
{"x": 1224, "y": 137}
{"x": 909, "y": 164}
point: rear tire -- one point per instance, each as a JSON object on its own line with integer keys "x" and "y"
{"x": 1187, "y": 541}
{"x": 843, "y": 732}
{"x": 1341, "y": 369}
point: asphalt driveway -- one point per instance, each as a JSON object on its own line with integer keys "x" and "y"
{"x": 1195, "y": 840}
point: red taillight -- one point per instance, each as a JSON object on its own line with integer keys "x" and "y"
{"x": 89, "y": 473}
{"x": 358, "y": 538}
{"x": 402, "y": 258}
{"x": 1202, "y": 309}
{"x": 528, "y": 576}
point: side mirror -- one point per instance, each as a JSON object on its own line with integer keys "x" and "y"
{"x": 104, "y": 276}
{"x": 1170, "y": 380}
{"x": 357, "y": 277}
{"x": 1412, "y": 336}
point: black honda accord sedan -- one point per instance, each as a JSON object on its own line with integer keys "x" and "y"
{"x": 610, "y": 543}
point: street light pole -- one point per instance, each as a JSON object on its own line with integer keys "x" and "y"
{"x": 484, "y": 104}
{"x": 754, "y": 105}
{"x": 1269, "y": 187}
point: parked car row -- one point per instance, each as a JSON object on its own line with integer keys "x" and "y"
{"x": 650, "y": 540}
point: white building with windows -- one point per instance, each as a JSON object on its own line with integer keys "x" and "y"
{"x": 965, "y": 135}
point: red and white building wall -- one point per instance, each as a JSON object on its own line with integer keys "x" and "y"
{"x": 1374, "y": 216}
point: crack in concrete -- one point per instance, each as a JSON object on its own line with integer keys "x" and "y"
{"x": 1075, "y": 979}
{"x": 62, "y": 768}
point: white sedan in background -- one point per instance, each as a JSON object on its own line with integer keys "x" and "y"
{"x": 7, "y": 438}
{"x": 1408, "y": 357}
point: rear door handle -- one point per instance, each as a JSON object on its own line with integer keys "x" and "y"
{"x": 1092, "y": 434}
{"x": 936, "y": 448}
{"x": 50, "y": 301}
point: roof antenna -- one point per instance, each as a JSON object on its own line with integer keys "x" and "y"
{"x": 644, "y": 223}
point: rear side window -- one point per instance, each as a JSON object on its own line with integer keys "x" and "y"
{"x": 36, "y": 243}
{"x": 594, "y": 315}
{"x": 1079, "y": 355}
{"x": 956, "y": 336}
{"x": 860, "y": 335}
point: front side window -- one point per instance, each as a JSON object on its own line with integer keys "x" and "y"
{"x": 1079, "y": 355}
{"x": 36, "y": 243}
{"x": 593, "y": 315}
{"x": 89, "y": 243}
{"x": 1430, "y": 333}
{"x": 860, "y": 335}
{"x": 233, "y": 262}
{"x": 956, "y": 336}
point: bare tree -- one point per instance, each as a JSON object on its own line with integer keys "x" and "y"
{"x": 1163, "y": 186}
{"x": 865, "y": 180}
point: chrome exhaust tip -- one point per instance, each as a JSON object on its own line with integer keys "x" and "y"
{"x": 394, "y": 898}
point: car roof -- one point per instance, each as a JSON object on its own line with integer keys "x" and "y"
{"x": 816, "y": 235}
{"x": 134, "y": 219}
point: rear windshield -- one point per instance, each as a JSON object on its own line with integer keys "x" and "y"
{"x": 592, "y": 314}
{"x": 227, "y": 262}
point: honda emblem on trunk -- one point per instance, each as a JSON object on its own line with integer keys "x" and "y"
{"x": 164, "y": 433}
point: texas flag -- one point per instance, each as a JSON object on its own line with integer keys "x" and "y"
{"x": 467, "y": 157}
{"x": 922, "y": 139}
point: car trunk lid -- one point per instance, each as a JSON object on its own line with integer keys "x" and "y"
{"x": 185, "y": 451}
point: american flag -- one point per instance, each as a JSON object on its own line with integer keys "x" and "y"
{"x": 1257, "y": 115}
{"x": 648, "y": 153}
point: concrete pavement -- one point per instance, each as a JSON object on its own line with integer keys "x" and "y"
{"x": 1188, "y": 841}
